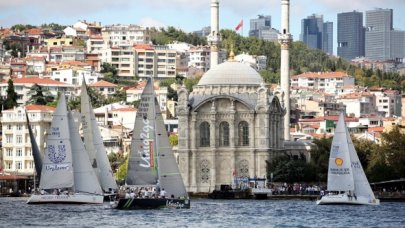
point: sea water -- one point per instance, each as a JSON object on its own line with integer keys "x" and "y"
{"x": 14, "y": 212}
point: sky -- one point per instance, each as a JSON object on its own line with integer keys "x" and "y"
{"x": 188, "y": 15}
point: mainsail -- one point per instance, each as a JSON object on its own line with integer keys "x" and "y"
{"x": 57, "y": 170}
{"x": 151, "y": 159}
{"x": 36, "y": 153}
{"x": 142, "y": 164}
{"x": 94, "y": 143}
{"x": 340, "y": 173}
{"x": 85, "y": 180}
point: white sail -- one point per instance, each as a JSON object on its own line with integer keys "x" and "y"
{"x": 151, "y": 157}
{"x": 361, "y": 185}
{"x": 142, "y": 164}
{"x": 340, "y": 174}
{"x": 169, "y": 175}
{"x": 94, "y": 143}
{"x": 57, "y": 170}
{"x": 85, "y": 180}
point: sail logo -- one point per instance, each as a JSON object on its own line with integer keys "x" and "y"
{"x": 146, "y": 148}
{"x": 338, "y": 161}
{"x": 57, "y": 154}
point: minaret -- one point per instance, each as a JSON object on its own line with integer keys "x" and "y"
{"x": 285, "y": 39}
{"x": 214, "y": 38}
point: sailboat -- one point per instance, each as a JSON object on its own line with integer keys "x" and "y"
{"x": 346, "y": 176}
{"x": 35, "y": 151}
{"x": 151, "y": 161}
{"x": 94, "y": 145}
{"x": 66, "y": 176}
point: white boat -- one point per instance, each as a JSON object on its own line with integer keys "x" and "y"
{"x": 94, "y": 144}
{"x": 346, "y": 176}
{"x": 151, "y": 159}
{"x": 66, "y": 166}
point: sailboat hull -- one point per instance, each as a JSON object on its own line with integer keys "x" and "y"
{"x": 76, "y": 198}
{"x": 141, "y": 203}
{"x": 345, "y": 199}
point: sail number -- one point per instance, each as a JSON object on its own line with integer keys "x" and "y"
{"x": 146, "y": 152}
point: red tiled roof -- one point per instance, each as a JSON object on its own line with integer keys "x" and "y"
{"x": 143, "y": 47}
{"x": 74, "y": 63}
{"x": 35, "y": 58}
{"x": 39, "y": 108}
{"x": 103, "y": 83}
{"x": 33, "y": 80}
{"x": 322, "y": 75}
{"x": 34, "y": 31}
{"x": 333, "y": 118}
{"x": 129, "y": 109}
{"x": 375, "y": 129}
{"x": 140, "y": 86}
{"x": 355, "y": 95}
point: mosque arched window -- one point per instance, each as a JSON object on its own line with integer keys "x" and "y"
{"x": 204, "y": 134}
{"x": 224, "y": 134}
{"x": 243, "y": 132}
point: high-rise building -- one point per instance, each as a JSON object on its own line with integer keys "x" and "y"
{"x": 316, "y": 34}
{"x": 350, "y": 35}
{"x": 327, "y": 37}
{"x": 382, "y": 41}
{"x": 259, "y": 24}
{"x": 311, "y": 31}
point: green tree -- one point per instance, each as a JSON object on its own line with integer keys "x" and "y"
{"x": 320, "y": 157}
{"x": 11, "y": 99}
{"x": 122, "y": 171}
{"x": 290, "y": 169}
{"x": 37, "y": 96}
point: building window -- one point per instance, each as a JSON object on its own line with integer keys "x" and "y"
{"x": 18, "y": 165}
{"x": 9, "y": 127}
{"x": 205, "y": 134}
{"x": 18, "y": 152}
{"x": 243, "y": 130}
{"x": 9, "y": 139}
{"x": 19, "y": 127}
{"x": 9, "y": 152}
{"x": 224, "y": 134}
{"x": 19, "y": 139}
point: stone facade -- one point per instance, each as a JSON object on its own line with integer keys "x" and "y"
{"x": 227, "y": 130}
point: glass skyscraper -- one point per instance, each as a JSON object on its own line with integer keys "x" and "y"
{"x": 350, "y": 35}
{"x": 317, "y": 34}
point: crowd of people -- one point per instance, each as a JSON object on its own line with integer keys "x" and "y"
{"x": 142, "y": 192}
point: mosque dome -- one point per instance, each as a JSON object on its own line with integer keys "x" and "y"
{"x": 231, "y": 73}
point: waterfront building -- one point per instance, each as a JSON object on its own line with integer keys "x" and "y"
{"x": 350, "y": 35}
{"x": 22, "y": 86}
{"x": 16, "y": 145}
{"x": 230, "y": 123}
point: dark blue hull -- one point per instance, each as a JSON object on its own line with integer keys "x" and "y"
{"x": 142, "y": 203}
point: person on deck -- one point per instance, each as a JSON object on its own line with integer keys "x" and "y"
{"x": 162, "y": 193}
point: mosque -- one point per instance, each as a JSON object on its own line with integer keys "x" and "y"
{"x": 231, "y": 123}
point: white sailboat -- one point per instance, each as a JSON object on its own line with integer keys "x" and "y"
{"x": 94, "y": 144}
{"x": 345, "y": 173}
{"x": 66, "y": 165}
{"x": 151, "y": 159}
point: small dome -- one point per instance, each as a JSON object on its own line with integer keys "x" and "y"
{"x": 231, "y": 73}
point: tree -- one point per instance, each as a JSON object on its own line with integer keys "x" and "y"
{"x": 320, "y": 157}
{"x": 37, "y": 96}
{"x": 290, "y": 169}
{"x": 11, "y": 99}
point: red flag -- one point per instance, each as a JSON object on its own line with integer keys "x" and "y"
{"x": 239, "y": 25}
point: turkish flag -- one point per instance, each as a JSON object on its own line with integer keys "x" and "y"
{"x": 239, "y": 25}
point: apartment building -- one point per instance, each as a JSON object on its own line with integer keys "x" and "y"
{"x": 105, "y": 88}
{"x": 125, "y": 35}
{"x": 122, "y": 58}
{"x": 329, "y": 82}
{"x": 16, "y": 149}
{"x": 358, "y": 104}
{"x": 22, "y": 86}
{"x": 156, "y": 61}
